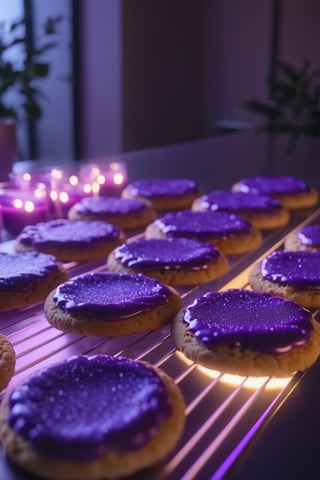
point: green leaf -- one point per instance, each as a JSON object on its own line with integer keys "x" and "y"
{"x": 269, "y": 110}
{"x": 45, "y": 48}
{"x": 16, "y": 24}
{"x": 7, "y": 111}
{"x": 33, "y": 110}
{"x": 19, "y": 76}
{"x": 40, "y": 69}
{"x": 51, "y": 23}
{"x": 291, "y": 73}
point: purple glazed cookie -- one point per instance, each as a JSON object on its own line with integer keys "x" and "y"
{"x": 105, "y": 303}
{"x": 290, "y": 274}
{"x": 247, "y": 333}
{"x": 164, "y": 193}
{"x": 129, "y": 214}
{"x": 89, "y": 418}
{"x": 292, "y": 192}
{"x": 7, "y": 361}
{"x": 231, "y": 234}
{"x": 305, "y": 238}
{"x": 68, "y": 240}
{"x": 27, "y": 278}
{"x": 174, "y": 261}
{"x": 263, "y": 212}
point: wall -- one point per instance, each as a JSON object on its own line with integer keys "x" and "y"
{"x": 160, "y": 73}
{"x": 101, "y": 78}
{"x": 163, "y": 72}
{"x": 55, "y": 130}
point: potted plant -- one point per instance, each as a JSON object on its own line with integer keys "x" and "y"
{"x": 293, "y": 108}
{"x": 21, "y": 68}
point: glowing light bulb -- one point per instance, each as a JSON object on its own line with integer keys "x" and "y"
{"x": 73, "y": 180}
{"x": 101, "y": 179}
{"x": 29, "y": 206}
{"x": 64, "y": 197}
{"x": 56, "y": 174}
{"x": 26, "y": 177}
{"x": 118, "y": 178}
{"x": 17, "y": 203}
{"x": 53, "y": 195}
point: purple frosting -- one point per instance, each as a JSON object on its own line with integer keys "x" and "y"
{"x": 168, "y": 254}
{"x": 162, "y": 187}
{"x": 230, "y": 201}
{"x": 247, "y": 319}
{"x": 85, "y": 406}
{"x": 310, "y": 235}
{"x": 273, "y": 185}
{"x": 109, "y": 205}
{"x": 110, "y": 296}
{"x": 67, "y": 232}
{"x": 19, "y": 270}
{"x": 298, "y": 269}
{"x": 202, "y": 224}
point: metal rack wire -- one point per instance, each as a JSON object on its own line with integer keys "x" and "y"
{"x": 224, "y": 413}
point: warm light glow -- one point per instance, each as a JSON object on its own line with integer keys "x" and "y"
{"x": 235, "y": 380}
{"x": 54, "y": 196}
{"x": 26, "y": 177}
{"x": 114, "y": 166}
{"x": 118, "y": 178}
{"x": 73, "y": 180}
{"x": 240, "y": 281}
{"x": 17, "y": 203}
{"x": 64, "y": 197}
{"x": 40, "y": 192}
{"x": 29, "y": 206}
{"x": 87, "y": 188}
{"x": 95, "y": 171}
{"x": 95, "y": 187}
{"x": 250, "y": 382}
{"x": 101, "y": 179}
{"x": 57, "y": 174}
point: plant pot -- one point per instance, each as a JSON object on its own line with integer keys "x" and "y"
{"x": 8, "y": 147}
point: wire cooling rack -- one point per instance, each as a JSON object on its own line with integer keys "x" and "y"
{"x": 224, "y": 413}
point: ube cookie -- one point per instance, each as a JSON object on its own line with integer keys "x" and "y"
{"x": 111, "y": 304}
{"x": 289, "y": 274}
{"x": 262, "y": 211}
{"x": 92, "y": 418}
{"x": 231, "y": 234}
{"x": 27, "y": 278}
{"x": 305, "y": 238}
{"x": 127, "y": 214}
{"x": 293, "y": 193}
{"x": 7, "y": 361}
{"x": 174, "y": 261}
{"x": 68, "y": 240}
{"x": 164, "y": 194}
{"x": 247, "y": 333}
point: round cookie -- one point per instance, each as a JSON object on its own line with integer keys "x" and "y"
{"x": 27, "y": 278}
{"x": 7, "y": 361}
{"x": 292, "y": 192}
{"x": 289, "y": 274}
{"x": 263, "y": 212}
{"x": 69, "y": 241}
{"x": 164, "y": 194}
{"x": 92, "y": 418}
{"x": 305, "y": 238}
{"x": 111, "y": 304}
{"x": 174, "y": 261}
{"x": 247, "y": 333}
{"x": 125, "y": 213}
{"x": 231, "y": 234}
